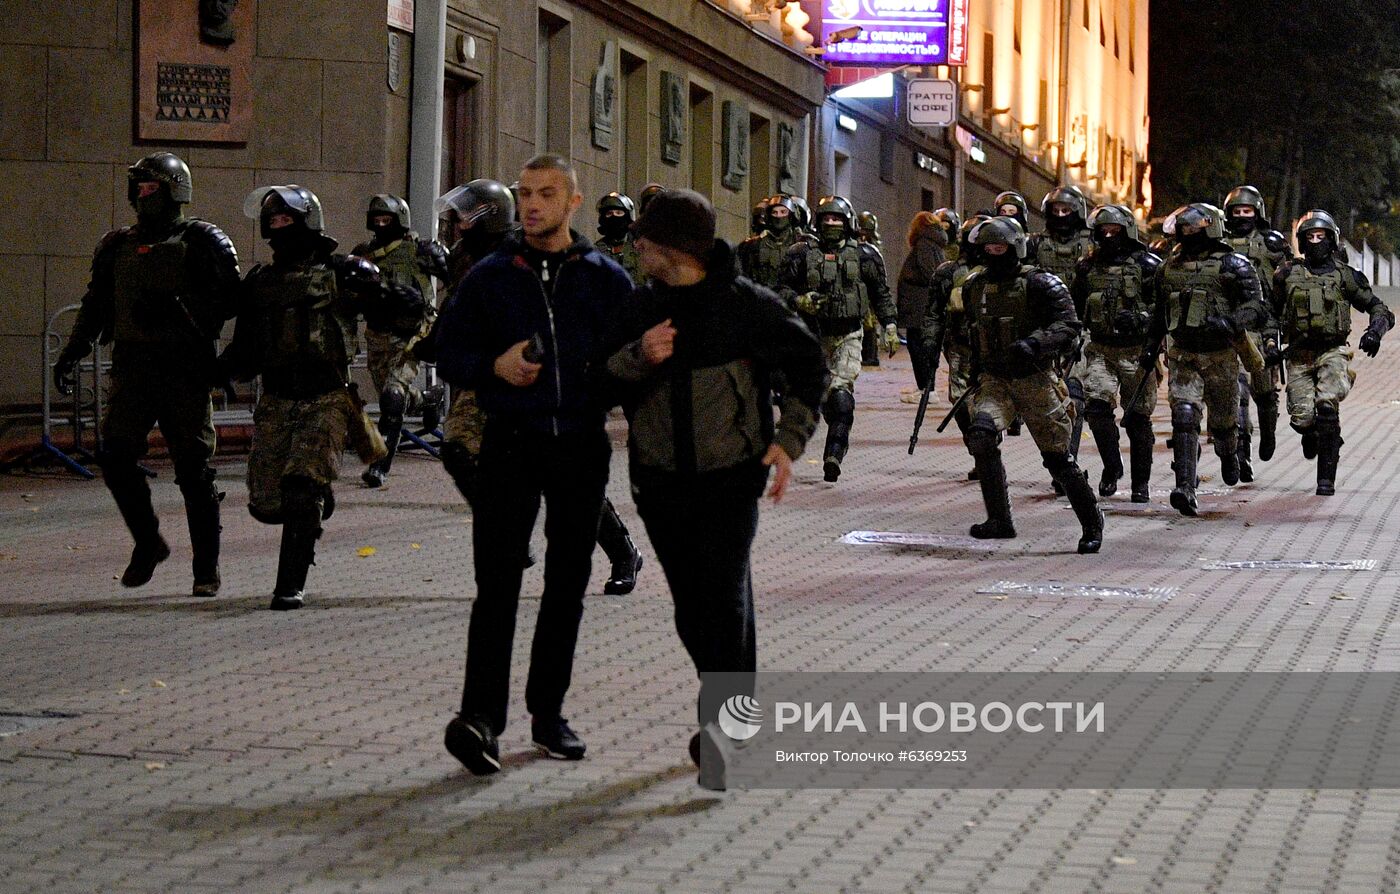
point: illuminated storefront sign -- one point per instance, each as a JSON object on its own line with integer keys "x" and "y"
{"x": 894, "y": 32}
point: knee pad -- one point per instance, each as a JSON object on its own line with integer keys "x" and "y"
{"x": 393, "y": 402}
{"x": 840, "y": 404}
{"x": 982, "y": 436}
{"x": 1097, "y": 409}
{"x": 1184, "y": 417}
{"x": 1137, "y": 425}
{"x": 1056, "y": 462}
{"x": 302, "y": 501}
{"x": 1327, "y": 414}
{"x": 1076, "y": 390}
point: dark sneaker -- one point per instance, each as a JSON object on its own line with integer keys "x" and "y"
{"x": 714, "y": 751}
{"x": 831, "y": 468}
{"x": 554, "y": 738}
{"x": 373, "y": 477}
{"x": 285, "y": 602}
{"x": 206, "y": 587}
{"x": 144, "y": 559}
{"x": 471, "y": 741}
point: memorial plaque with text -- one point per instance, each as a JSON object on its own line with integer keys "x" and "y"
{"x": 194, "y": 77}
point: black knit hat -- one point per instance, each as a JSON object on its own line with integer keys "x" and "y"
{"x": 681, "y": 219}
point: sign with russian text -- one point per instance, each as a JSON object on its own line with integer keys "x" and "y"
{"x": 894, "y": 32}
{"x": 933, "y": 102}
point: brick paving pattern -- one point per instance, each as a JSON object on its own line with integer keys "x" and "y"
{"x": 220, "y": 747}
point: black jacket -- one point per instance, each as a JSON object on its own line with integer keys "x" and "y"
{"x": 502, "y": 302}
{"x": 708, "y": 408}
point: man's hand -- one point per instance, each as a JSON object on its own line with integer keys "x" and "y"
{"x": 63, "y": 375}
{"x": 782, "y": 463}
{"x": 891, "y": 338}
{"x": 808, "y": 303}
{"x": 513, "y": 368}
{"x": 659, "y": 343}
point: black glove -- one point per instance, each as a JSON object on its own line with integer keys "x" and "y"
{"x": 1370, "y": 342}
{"x": 1147, "y": 360}
{"x": 1222, "y": 325}
{"x": 1273, "y": 355}
{"x": 65, "y": 369}
{"x": 1023, "y": 351}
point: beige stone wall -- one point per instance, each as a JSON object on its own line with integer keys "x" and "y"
{"x": 319, "y": 78}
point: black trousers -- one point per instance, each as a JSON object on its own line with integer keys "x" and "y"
{"x": 702, "y": 528}
{"x": 518, "y": 468}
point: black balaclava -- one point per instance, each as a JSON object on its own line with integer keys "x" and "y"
{"x": 387, "y": 233}
{"x": 157, "y": 211}
{"x": 831, "y": 234}
{"x": 779, "y": 225}
{"x": 1062, "y": 224}
{"x": 1195, "y": 243}
{"x": 1000, "y": 266}
{"x": 1317, "y": 253}
{"x": 1111, "y": 246}
{"x": 1240, "y": 226}
{"x": 613, "y": 229}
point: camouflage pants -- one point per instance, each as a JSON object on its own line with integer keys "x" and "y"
{"x": 465, "y": 422}
{"x": 1317, "y": 379}
{"x": 1041, "y": 399}
{"x": 150, "y": 387}
{"x": 843, "y": 359}
{"x": 296, "y": 437}
{"x": 1266, "y": 380}
{"x": 391, "y": 364}
{"x": 1109, "y": 370}
{"x": 1208, "y": 381}
{"x": 959, "y": 369}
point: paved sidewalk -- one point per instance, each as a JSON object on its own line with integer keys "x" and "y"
{"x": 218, "y": 746}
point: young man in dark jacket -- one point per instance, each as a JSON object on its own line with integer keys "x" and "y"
{"x": 528, "y": 330}
{"x": 702, "y": 439}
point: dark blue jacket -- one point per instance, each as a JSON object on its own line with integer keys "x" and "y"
{"x": 502, "y": 302}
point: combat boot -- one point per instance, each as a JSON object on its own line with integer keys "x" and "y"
{"x": 392, "y": 404}
{"x": 621, "y": 552}
{"x": 991, "y": 475}
{"x": 1099, "y": 416}
{"x": 301, "y": 528}
{"x": 963, "y": 417}
{"x": 1267, "y": 406}
{"x": 127, "y": 482}
{"x": 1329, "y": 448}
{"x": 1185, "y": 450}
{"x": 1140, "y": 439}
{"x": 433, "y": 400}
{"x": 1242, "y": 454}
{"x": 202, "y": 517}
{"x": 1227, "y": 447}
{"x": 1081, "y": 499}
{"x": 840, "y": 415}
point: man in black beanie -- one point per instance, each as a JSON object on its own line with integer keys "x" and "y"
{"x": 701, "y": 433}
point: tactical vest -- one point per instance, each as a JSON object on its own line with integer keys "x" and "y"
{"x": 1193, "y": 292}
{"x": 768, "y": 257}
{"x": 1060, "y": 258}
{"x": 1113, "y": 288}
{"x": 625, "y": 253}
{"x": 151, "y": 289}
{"x": 835, "y": 276}
{"x": 1256, "y": 248}
{"x": 398, "y": 263}
{"x": 1001, "y": 312}
{"x": 306, "y": 333}
{"x": 1315, "y": 306}
{"x": 956, "y": 312}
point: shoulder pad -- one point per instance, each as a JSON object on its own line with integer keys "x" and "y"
{"x": 1043, "y": 279}
{"x": 1147, "y": 260}
{"x": 1357, "y": 276}
{"x": 1237, "y": 261}
{"x": 434, "y": 257}
{"x": 355, "y": 270}
{"x": 111, "y": 240}
{"x": 1275, "y": 242}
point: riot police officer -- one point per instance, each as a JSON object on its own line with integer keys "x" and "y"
{"x": 298, "y": 332}
{"x": 1207, "y": 298}
{"x": 479, "y": 214}
{"x": 160, "y": 291}
{"x": 615, "y": 217}
{"x": 802, "y": 214}
{"x": 952, "y": 223}
{"x": 831, "y": 284}
{"x": 403, "y": 259}
{"x": 868, "y": 233}
{"x": 1247, "y": 231}
{"x": 758, "y": 217}
{"x": 1023, "y": 322}
{"x": 1013, "y": 205}
{"x": 1114, "y": 295}
{"x": 649, "y": 192}
{"x": 947, "y": 324}
{"x": 761, "y": 257}
{"x": 1313, "y": 297}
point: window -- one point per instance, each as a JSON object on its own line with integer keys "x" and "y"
{"x": 927, "y": 200}
{"x": 702, "y": 140}
{"x": 633, "y": 105}
{"x": 552, "y": 105}
{"x": 761, "y": 178}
